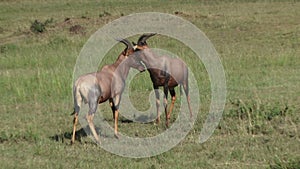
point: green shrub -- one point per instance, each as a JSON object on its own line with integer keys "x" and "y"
{"x": 103, "y": 14}
{"x": 40, "y": 27}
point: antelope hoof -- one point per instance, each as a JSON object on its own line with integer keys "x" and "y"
{"x": 117, "y": 136}
{"x": 157, "y": 121}
{"x": 168, "y": 116}
{"x": 167, "y": 123}
{"x": 98, "y": 141}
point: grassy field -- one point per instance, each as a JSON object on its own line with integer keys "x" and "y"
{"x": 258, "y": 42}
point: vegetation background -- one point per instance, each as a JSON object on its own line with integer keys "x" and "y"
{"x": 258, "y": 42}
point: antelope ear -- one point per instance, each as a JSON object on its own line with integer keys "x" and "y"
{"x": 134, "y": 45}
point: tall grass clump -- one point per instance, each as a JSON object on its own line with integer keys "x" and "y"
{"x": 293, "y": 163}
{"x": 253, "y": 117}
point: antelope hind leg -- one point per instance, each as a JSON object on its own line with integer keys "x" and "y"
{"x": 116, "y": 123}
{"x": 92, "y": 127}
{"x": 75, "y": 121}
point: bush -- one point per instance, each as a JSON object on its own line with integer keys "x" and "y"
{"x": 40, "y": 27}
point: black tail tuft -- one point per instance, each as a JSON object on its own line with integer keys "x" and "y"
{"x": 72, "y": 113}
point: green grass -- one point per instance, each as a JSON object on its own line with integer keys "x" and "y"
{"x": 258, "y": 42}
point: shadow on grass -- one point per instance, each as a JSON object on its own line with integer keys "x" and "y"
{"x": 81, "y": 133}
{"x": 63, "y": 137}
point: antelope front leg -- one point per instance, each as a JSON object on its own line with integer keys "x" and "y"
{"x": 166, "y": 112}
{"x": 157, "y": 105}
{"x": 166, "y": 105}
{"x": 112, "y": 106}
{"x": 116, "y": 113}
{"x": 172, "y": 92}
{"x": 171, "y": 107}
{"x": 75, "y": 121}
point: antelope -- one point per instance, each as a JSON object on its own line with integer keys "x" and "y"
{"x": 106, "y": 84}
{"x": 164, "y": 71}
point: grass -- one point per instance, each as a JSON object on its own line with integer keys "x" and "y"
{"x": 258, "y": 42}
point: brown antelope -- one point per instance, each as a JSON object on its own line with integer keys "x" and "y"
{"x": 106, "y": 84}
{"x": 164, "y": 71}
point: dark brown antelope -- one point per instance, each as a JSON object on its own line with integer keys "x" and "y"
{"x": 164, "y": 71}
{"x": 106, "y": 84}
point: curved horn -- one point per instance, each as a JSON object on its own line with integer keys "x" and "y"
{"x": 143, "y": 38}
{"x": 126, "y": 42}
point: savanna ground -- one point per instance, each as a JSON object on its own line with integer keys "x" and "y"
{"x": 258, "y": 43}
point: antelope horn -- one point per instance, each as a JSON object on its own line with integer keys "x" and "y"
{"x": 126, "y": 42}
{"x": 143, "y": 38}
